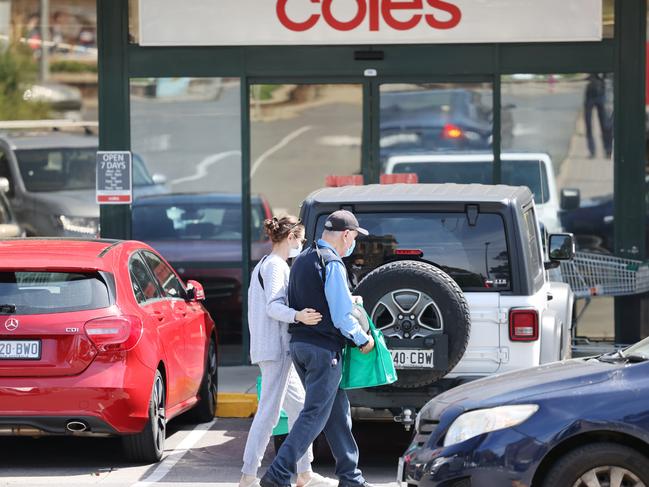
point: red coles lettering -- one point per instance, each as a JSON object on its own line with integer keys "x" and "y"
{"x": 439, "y": 14}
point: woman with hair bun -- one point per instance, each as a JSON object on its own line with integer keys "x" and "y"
{"x": 268, "y": 319}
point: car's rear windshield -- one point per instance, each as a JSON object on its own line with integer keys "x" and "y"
{"x": 473, "y": 253}
{"x": 194, "y": 221}
{"x": 68, "y": 169}
{"x": 514, "y": 173}
{"x": 27, "y": 293}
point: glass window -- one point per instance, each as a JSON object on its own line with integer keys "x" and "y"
{"x": 476, "y": 256}
{"x": 474, "y": 169}
{"x": 52, "y": 292}
{"x": 171, "y": 285}
{"x": 5, "y": 213}
{"x": 566, "y": 122}
{"x": 608, "y": 19}
{"x": 300, "y": 135}
{"x": 437, "y": 119}
{"x": 45, "y": 170}
{"x": 186, "y": 134}
{"x": 137, "y": 289}
{"x": 196, "y": 217}
{"x": 143, "y": 281}
{"x": 532, "y": 239}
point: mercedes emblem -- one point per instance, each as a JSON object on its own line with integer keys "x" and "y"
{"x": 11, "y": 324}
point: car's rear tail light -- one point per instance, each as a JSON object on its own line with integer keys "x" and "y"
{"x": 523, "y": 325}
{"x": 451, "y": 131}
{"x": 114, "y": 333}
{"x": 409, "y": 252}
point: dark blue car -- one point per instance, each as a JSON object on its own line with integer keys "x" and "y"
{"x": 579, "y": 423}
{"x": 593, "y": 222}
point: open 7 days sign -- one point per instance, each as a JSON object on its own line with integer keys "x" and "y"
{"x": 302, "y": 22}
{"x": 114, "y": 178}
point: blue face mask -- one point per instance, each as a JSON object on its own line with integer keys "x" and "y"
{"x": 350, "y": 251}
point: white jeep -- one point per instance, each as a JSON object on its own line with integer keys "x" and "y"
{"x": 454, "y": 276}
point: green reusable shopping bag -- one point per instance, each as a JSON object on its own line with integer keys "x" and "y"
{"x": 368, "y": 370}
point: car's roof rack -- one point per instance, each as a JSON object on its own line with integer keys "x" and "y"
{"x": 48, "y": 124}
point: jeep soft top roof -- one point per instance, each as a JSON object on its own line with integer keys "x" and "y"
{"x": 422, "y": 193}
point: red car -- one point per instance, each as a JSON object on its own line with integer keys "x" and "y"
{"x": 101, "y": 338}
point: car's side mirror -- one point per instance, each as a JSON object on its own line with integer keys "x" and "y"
{"x": 195, "y": 291}
{"x": 561, "y": 246}
{"x": 159, "y": 178}
{"x": 570, "y": 198}
{"x": 4, "y": 185}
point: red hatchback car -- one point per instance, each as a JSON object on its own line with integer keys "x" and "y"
{"x": 100, "y": 338}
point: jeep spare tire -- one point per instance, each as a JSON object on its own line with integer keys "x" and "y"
{"x": 410, "y": 302}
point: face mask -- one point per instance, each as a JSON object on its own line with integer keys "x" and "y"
{"x": 350, "y": 251}
{"x": 295, "y": 251}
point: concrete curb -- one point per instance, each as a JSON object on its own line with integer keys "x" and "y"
{"x": 235, "y": 405}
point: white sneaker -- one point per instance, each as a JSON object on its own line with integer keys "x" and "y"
{"x": 249, "y": 481}
{"x": 318, "y": 480}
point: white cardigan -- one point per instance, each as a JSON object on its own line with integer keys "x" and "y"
{"x": 268, "y": 311}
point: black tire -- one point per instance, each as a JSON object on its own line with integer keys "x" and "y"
{"x": 148, "y": 446}
{"x": 445, "y": 300}
{"x": 205, "y": 408}
{"x": 599, "y": 459}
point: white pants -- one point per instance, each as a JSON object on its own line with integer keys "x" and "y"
{"x": 280, "y": 385}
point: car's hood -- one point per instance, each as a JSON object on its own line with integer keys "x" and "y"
{"x": 178, "y": 251}
{"x": 524, "y": 384}
{"x": 70, "y": 203}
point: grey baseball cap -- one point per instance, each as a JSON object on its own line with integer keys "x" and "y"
{"x": 342, "y": 220}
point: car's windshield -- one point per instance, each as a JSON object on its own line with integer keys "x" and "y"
{"x": 474, "y": 253}
{"x": 29, "y": 292}
{"x": 67, "y": 169}
{"x": 640, "y": 348}
{"x": 436, "y": 100}
{"x": 194, "y": 221}
{"x": 514, "y": 173}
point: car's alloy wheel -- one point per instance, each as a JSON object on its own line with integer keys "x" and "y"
{"x": 159, "y": 419}
{"x": 205, "y": 408}
{"x": 609, "y": 476}
{"x": 407, "y": 313}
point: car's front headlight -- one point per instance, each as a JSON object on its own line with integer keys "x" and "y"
{"x": 82, "y": 225}
{"x": 481, "y": 421}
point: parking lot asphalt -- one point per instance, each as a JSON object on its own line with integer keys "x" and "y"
{"x": 207, "y": 454}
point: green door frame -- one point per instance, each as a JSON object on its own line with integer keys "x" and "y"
{"x": 624, "y": 56}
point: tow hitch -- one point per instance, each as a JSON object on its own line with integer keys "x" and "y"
{"x": 407, "y": 418}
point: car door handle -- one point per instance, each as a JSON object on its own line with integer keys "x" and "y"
{"x": 159, "y": 314}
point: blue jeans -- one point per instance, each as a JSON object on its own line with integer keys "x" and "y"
{"x": 326, "y": 408}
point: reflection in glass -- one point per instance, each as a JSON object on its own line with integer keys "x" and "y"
{"x": 569, "y": 118}
{"x": 187, "y": 132}
{"x": 300, "y": 134}
{"x": 448, "y": 117}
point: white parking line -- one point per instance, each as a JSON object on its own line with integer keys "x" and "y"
{"x": 174, "y": 456}
{"x": 201, "y": 167}
{"x": 282, "y": 143}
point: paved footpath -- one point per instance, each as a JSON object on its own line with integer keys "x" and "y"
{"x": 205, "y": 455}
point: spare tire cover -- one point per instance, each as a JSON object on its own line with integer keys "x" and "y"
{"x": 409, "y": 289}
